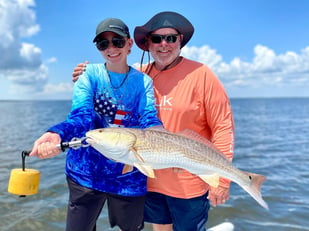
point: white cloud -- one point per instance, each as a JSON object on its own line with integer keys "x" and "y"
{"x": 266, "y": 69}
{"x": 52, "y": 60}
{"x": 58, "y": 88}
{"x": 203, "y": 54}
{"x": 20, "y": 63}
{"x": 30, "y": 54}
{"x": 27, "y": 80}
{"x": 17, "y": 20}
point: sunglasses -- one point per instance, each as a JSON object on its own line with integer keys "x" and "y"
{"x": 169, "y": 38}
{"x": 104, "y": 43}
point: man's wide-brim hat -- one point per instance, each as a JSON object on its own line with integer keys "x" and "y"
{"x": 164, "y": 20}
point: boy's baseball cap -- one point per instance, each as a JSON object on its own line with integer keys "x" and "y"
{"x": 113, "y": 25}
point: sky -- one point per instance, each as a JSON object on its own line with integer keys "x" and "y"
{"x": 257, "y": 48}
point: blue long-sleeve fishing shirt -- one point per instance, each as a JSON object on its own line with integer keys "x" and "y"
{"x": 101, "y": 99}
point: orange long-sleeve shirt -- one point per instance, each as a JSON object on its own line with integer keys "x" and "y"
{"x": 190, "y": 96}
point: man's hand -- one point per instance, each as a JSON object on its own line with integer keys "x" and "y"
{"x": 218, "y": 196}
{"x": 78, "y": 70}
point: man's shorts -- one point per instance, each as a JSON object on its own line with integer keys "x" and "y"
{"x": 185, "y": 214}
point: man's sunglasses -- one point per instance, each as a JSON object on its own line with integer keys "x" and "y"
{"x": 169, "y": 38}
{"x": 104, "y": 43}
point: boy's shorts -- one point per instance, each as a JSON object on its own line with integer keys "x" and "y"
{"x": 85, "y": 206}
{"x": 185, "y": 214}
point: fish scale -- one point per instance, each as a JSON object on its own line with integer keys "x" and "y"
{"x": 184, "y": 150}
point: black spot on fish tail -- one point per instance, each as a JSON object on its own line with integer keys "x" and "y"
{"x": 254, "y": 189}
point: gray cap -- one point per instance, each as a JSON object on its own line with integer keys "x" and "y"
{"x": 165, "y": 19}
{"x": 112, "y": 25}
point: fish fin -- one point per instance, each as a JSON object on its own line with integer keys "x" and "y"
{"x": 212, "y": 180}
{"x": 143, "y": 168}
{"x": 138, "y": 156}
{"x": 157, "y": 128}
{"x": 146, "y": 170}
{"x": 254, "y": 189}
{"x": 127, "y": 168}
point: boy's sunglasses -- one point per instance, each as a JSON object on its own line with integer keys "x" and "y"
{"x": 169, "y": 38}
{"x": 104, "y": 43}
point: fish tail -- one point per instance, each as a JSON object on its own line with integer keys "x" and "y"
{"x": 254, "y": 189}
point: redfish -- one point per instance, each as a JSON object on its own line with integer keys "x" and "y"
{"x": 149, "y": 149}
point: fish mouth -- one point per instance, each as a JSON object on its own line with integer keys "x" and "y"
{"x": 90, "y": 141}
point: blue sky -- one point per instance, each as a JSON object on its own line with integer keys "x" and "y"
{"x": 258, "y": 48}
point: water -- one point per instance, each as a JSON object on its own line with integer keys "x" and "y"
{"x": 272, "y": 138}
